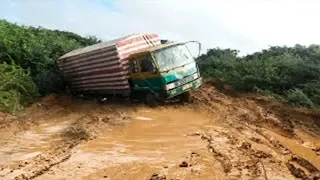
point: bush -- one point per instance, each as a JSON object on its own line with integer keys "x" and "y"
{"x": 296, "y": 96}
{"x": 269, "y": 94}
{"x": 16, "y": 88}
{"x": 49, "y": 81}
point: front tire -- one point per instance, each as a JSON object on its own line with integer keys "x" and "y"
{"x": 150, "y": 99}
{"x": 185, "y": 97}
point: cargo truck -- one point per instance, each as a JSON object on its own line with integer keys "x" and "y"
{"x": 138, "y": 65}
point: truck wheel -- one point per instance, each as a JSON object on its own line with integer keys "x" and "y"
{"x": 185, "y": 97}
{"x": 151, "y": 99}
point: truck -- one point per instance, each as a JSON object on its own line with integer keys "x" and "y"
{"x": 138, "y": 65}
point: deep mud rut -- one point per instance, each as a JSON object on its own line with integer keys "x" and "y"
{"x": 217, "y": 136}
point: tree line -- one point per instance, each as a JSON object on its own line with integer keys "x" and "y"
{"x": 291, "y": 74}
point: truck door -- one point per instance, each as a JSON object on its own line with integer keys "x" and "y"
{"x": 147, "y": 76}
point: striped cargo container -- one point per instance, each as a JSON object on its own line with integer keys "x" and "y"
{"x": 104, "y": 67}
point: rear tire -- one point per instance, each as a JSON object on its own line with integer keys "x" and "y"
{"x": 150, "y": 99}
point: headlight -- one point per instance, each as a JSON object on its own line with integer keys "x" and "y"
{"x": 195, "y": 76}
{"x": 169, "y": 86}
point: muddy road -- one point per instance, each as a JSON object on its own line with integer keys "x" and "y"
{"x": 220, "y": 135}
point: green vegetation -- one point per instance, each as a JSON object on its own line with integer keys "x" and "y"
{"x": 288, "y": 73}
{"x": 28, "y": 62}
{"x": 16, "y": 87}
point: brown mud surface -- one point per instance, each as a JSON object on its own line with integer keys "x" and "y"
{"x": 220, "y": 135}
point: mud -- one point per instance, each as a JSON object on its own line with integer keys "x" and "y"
{"x": 220, "y": 135}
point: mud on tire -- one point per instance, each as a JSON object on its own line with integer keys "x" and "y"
{"x": 150, "y": 99}
{"x": 185, "y": 97}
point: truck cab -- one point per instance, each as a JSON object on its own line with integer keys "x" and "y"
{"x": 163, "y": 72}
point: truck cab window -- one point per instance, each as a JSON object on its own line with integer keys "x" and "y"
{"x": 147, "y": 65}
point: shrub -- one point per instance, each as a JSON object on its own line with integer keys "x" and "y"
{"x": 296, "y": 96}
{"x": 16, "y": 88}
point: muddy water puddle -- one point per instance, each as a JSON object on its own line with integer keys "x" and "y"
{"x": 30, "y": 143}
{"x": 154, "y": 140}
{"x": 156, "y": 136}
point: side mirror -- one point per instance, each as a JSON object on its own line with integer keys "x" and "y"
{"x": 154, "y": 71}
{"x": 199, "y": 46}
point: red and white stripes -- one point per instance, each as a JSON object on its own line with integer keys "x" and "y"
{"x": 107, "y": 67}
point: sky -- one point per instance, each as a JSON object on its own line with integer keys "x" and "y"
{"x": 246, "y": 25}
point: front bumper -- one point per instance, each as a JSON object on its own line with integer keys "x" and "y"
{"x": 184, "y": 88}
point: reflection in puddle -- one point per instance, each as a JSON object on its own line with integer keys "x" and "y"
{"x": 143, "y": 118}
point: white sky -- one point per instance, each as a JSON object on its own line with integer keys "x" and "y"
{"x": 247, "y": 25}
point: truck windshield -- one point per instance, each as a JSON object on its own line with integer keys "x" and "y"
{"x": 173, "y": 57}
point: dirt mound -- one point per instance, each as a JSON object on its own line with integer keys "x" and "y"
{"x": 6, "y": 118}
{"x": 257, "y": 110}
{"x": 253, "y": 116}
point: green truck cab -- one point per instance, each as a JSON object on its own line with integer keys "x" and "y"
{"x": 163, "y": 72}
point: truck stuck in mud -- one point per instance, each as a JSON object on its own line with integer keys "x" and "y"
{"x": 136, "y": 65}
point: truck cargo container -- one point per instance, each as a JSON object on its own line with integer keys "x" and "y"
{"x": 135, "y": 65}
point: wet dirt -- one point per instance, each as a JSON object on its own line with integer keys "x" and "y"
{"x": 30, "y": 143}
{"x": 155, "y": 140}
{"x": 220, "y": 135}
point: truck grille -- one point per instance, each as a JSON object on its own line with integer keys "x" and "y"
{"x": 184, "y": 80}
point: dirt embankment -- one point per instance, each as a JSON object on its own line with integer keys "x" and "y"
{"x": 220, "y": 135}
{"x": 260, "y": 137}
